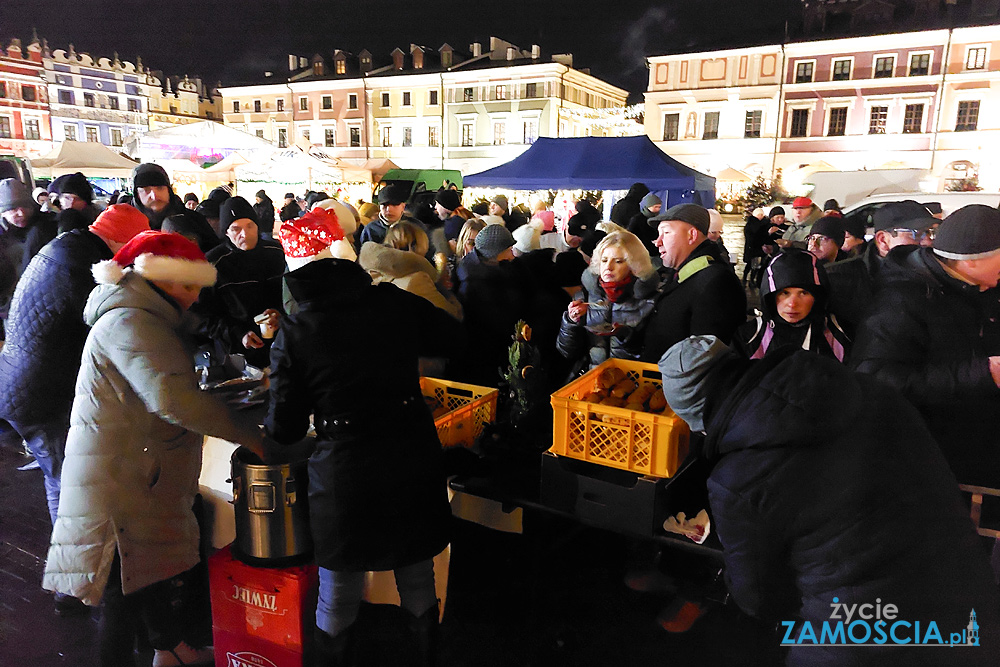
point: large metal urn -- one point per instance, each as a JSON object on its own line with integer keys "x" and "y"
{"x": 272, "y": 510}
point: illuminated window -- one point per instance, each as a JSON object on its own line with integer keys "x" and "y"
{"x": 711, "y": 130}
{"x": 386, "y": 136}
{"x": 968, "y": 116}
{"x": 468, "y": 95}
{"x": 530, "y": 131}
{"x": 841, "y": 70}
{"x": 838, "y": 122}
{"x": 671, "y": 126}
{"x": 975, "y": 58}
{"x": 804, "y": 72}
{"x": 340, "y": 66}
{"x": 876, "y": 120}
{"x": 432, "y": 136}
{"x": 884, "y": 67}
{"x": 920, "y": 64}
{"x": 913, "y": 119}
{"x": 281, "y": 104}
{"x": 800, "y": 123}
{"x": 501, "y": 92}
{"x": 467, "y": 135}
{"x": 751, "y": 127}
{"x": 499, "y": 133}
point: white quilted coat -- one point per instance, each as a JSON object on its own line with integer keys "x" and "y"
{"x": 134, "y": 449}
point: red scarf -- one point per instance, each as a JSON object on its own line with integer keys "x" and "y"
{"x": 614, "y": 291}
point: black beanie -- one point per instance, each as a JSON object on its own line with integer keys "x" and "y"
{"x": 219, "y": 195}
{"x": 191, "y": 197}
{"x": 76, "y": 184}
{"x": 971, "y": 232}
{"x": 149, "y": 175}
{"x": 209, "y": 208}
{"x": 448, "y": 199}
{"x": 777, "y": 210}
{"x": 830, "y": 226}
{"x": 235, "y": 208}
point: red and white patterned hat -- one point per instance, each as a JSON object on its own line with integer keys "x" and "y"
{"x": 157, "y": 256}
{"x": 315, "y": 235}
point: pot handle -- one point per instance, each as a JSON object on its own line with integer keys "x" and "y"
{"x": 290, "y": 491}
{"x": 237, "y": 483}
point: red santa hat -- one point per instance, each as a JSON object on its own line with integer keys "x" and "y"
{"x": 315, "y": 235}
{"x": 157, "y": 256}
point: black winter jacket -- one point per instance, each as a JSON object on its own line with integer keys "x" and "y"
{"x": 249, "y": 283}
{"x": 265, "y": 215}
{"x": 925, "y": 337}
{"x": 812, "y": 507}
{"x": 853, "y": 283}
{"x": 377, "y": 493}
{"x": 46, "y": 331}
{"x": 704, "y": 297}
{"x": 625, "y": 209}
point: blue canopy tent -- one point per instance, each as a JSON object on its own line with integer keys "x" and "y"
{"x": 600, "y": 163}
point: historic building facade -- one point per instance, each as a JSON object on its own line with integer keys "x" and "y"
{"x": 24, "y": 108}
{"x": 434, "y": 108}
{"x": 916, "y": 100}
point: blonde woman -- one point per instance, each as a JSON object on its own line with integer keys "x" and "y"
{"x": 619, "y": 287}
{"x": 401, "y": 260}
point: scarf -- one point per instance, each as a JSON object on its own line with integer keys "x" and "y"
{"x": 614, "y": 290}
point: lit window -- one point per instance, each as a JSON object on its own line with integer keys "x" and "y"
{"x": 468, "y": 95}
{"x": 884, "y": 67}
{"x": 920, "y": 64}
{"x": 876, "y": 120}
{"x": 841, "y": 70}
{"x": 432, "y": 136}
{"x": 976, "y": 58}
{"x": 530, "y": 131}
{"x": 386, "y": 136}
{"x": 499, "y": 132}
{"x": 751, "y": 128}
{"x": 467, "y": 138}
{"x": 804, "y": 72}
{"x": 501, "y": 92}
{"x": 281, "y": 104}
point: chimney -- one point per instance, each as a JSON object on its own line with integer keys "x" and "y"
{"x": 563, "y": 59}
{"x": 292, "y": 62}
{"x": 510, "y": 52}
{"x": 536, "y": 52}
{"x": 14, "y": 50}
{"x": 477, "y": 49}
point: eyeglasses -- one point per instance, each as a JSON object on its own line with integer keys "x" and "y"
{"x": 818, "y": 239}
{"x": 916, "y": 234}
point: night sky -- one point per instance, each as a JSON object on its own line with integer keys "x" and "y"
{"x": 237, "y": 41}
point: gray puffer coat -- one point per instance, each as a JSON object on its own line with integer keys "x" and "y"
{"x": 133, "y": 452}
{"x": 632, "y": 308}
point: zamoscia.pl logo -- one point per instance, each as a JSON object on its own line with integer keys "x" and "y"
{"x": 874, "y": 624}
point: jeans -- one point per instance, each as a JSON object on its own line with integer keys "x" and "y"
{"x": 47, "y": 443}
{"x": 340, "y": 594}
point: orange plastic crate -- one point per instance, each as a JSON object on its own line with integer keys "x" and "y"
{"x": 469, "y": 408}
{"x": 643, "y": 442}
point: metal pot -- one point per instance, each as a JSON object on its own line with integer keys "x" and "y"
{"x": 272, "y": 512}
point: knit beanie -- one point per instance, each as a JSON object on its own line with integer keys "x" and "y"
{"x": 38, "y": 191}
{"x": 120, "y": 223}
{"x": 684, "y": 369}
{"x": 448, "y": 199}
{"x": 191, "y": 197}
{"x": 831, "y": 226}
{"x": 590, "y": 241}
{"x": 855, "y": 226}
{"x": 777, "y": 210}
{"x": 76, "y": 184}
{"x": 692, "y": 214}
{"x": 501, "y": 201}
{"x": 344, "y": 213}
{"x": 149, "y": 175}
{"x": 526, "y": 237}
{"x": 971, "y": 232}
{"x": 209, "y": 208}
{"x": 15, "y": 194}
{"x": 831, "y": 205}
{"x": 157, "y": 256}
{"x": 235, "y": 208}
{"x": 315, "y": 235}
{"x": 493, "y": 240}
{"x": 648, "y": 201}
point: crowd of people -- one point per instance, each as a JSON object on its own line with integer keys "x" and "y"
{"x": 839, "y": 417}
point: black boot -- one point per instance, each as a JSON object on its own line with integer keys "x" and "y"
{"x": 427, "y": 635}
{"x": 336, "y": 651}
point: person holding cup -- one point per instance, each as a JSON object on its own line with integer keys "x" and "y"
{"x": 243, "y": 310}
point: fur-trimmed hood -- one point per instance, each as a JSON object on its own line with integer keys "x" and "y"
{"x": 393, "y": 263}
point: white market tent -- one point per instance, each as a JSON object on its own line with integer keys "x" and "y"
{"x": 92, "y": 159}
{"x": 192, "y": 141}
{"x": 295, "y": 170}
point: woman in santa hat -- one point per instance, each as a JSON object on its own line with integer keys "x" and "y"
{"x": 126, "y": 532}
